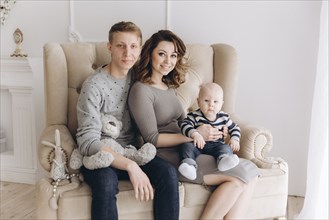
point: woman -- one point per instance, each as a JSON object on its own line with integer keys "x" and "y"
{"x": 156, "y": 110}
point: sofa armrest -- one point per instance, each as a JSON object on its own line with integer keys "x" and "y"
{"x": 45, "y": 153}
{"x": 256, "y": 142}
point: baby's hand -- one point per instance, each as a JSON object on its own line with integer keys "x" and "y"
{"x": 224, "y": 133}
{"x": 198, "y": 140}
{"x": 234, "y": 144}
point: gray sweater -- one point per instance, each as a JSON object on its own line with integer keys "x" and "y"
{"x": 155, "y": 111}
{"x": 101, "y": 93}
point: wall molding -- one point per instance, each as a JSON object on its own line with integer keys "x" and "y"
{"x": 73, "y": 35}
{"x": 168, "y": 14}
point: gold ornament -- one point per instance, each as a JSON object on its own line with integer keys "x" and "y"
{"x": 18, "y": 39}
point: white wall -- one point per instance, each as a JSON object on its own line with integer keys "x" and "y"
{"x": 276, "y": 41}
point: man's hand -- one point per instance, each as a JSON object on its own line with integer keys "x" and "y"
{"x": 141, "y": 183}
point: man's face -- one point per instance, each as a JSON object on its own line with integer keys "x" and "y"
{"x": 125, "y": 49}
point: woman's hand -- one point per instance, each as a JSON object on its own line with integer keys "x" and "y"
{"x": 141, "y": 183}
{"x": 209, "y": 133}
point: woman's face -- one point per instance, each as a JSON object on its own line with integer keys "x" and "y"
{"x": 164, "y": 58}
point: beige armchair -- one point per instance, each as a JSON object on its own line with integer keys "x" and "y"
{"x": 67, "y": 65}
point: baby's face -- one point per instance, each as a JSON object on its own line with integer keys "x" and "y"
{"x": 210, "y": 102}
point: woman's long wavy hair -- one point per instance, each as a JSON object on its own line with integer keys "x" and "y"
{"x": 143, "y": 68}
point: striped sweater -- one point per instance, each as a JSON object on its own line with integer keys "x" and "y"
{"x": 196, "y": 118}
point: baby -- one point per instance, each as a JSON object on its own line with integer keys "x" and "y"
{"x": 210, "y": 102}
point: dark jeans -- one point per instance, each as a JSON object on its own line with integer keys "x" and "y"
{"x": 104, "y": 186}
{"x": 215, "y": 149}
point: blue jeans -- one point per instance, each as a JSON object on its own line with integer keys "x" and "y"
{"x": 104, "y": 185}
{"x": 215, "y": 149}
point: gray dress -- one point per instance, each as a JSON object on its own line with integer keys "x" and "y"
{"x": 158, "y": 111}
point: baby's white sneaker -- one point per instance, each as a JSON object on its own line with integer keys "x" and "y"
{"x": 228, "y": 162}
{"x": 188, "y": 171}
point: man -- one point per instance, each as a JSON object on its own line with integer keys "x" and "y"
{"x": 106, "y": 91}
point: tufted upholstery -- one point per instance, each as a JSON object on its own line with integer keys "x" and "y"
{"x": 67, "y": 65}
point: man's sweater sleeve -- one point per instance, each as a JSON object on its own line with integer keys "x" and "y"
{"x": 89, "y": 120}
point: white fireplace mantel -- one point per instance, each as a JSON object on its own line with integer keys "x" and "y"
{"x": 18, "y": 163}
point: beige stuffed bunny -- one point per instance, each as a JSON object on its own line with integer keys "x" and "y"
{"x": 62, "y": 180}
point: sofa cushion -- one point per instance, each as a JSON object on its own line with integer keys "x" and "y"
{"x": 270, "y": 195}
{"x": 195, "y": 195}
{"x": 79, "y": 201}
{"x": 273, "y": 180}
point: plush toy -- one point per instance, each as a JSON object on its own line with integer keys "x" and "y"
{"x": 62, "y": 180}
{"x": 111, "y": 127}
{"x": 58, "y": 169}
